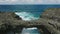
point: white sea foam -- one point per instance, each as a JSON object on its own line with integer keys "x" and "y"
{"x": 31, "y": 28}
{"x": 27, "y": 16}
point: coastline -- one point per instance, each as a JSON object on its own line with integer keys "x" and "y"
{"x": 47, "y": 22}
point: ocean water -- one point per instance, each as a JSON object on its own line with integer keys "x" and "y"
{"x": 27, "y": 12}
{"x": 29, "y": 8}
{"x": 27, "y": 16}
{"x": 33, "y": 30}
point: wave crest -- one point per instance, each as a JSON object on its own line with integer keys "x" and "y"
{"x": 26, "y": 16}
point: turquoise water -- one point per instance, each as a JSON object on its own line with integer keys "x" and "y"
{"x": 30, "y": 31}
{"x": 28, "y": 16}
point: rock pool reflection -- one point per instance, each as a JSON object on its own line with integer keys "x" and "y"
{"x": 30, "y": 31}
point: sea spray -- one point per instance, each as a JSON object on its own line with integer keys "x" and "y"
{"x": 27, "y": 16}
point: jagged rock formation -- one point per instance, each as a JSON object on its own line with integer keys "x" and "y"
{"x": 49, "y": 22}
{"x": 52, "y": 19}
{"x": 9, "y": 22}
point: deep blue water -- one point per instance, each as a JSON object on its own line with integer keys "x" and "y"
{"x": 37, "y": 8}
{"x": 27, "y": 12}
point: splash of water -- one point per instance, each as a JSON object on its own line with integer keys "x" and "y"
{"x": 27, "y": 16}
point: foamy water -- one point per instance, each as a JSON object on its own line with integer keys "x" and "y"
{"x": 33, "y": 30}
{"x": 27, "y": 16}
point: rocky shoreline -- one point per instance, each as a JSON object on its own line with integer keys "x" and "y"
{"x": 49, "y": 22}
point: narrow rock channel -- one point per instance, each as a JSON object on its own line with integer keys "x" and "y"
{"x": 33, "y": 30}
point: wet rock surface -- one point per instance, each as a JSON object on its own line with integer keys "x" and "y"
{"x": 49, "y": 22}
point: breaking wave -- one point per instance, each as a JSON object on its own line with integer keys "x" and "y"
{"x": 27, "y": 16}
